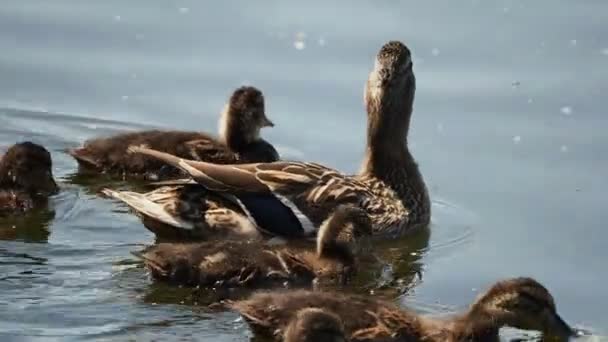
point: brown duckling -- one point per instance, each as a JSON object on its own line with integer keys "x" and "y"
{"x": 390, "y": 187}
{"x": 255, "y": 264}
{"x": 26, "y": 178}
{"x": 314, "y": 325}
{"x": 239, "y": 141}
{"x": 519, "y": 302}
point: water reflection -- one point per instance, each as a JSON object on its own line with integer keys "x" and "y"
{"x": 32, "y": 226}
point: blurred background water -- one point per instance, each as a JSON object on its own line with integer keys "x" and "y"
{"x": 509, "y": 128}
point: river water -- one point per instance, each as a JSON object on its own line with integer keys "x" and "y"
{"x": 509, "y": 127}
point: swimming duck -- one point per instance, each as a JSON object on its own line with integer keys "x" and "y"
{"x": 254, "y": 264}
{"x": 519, "y": 302}
{"x": 389, "y": 188}
{"x": 26, "y": 178}
{"x": 314, "y": 325}
{"x": 239, "y": 141}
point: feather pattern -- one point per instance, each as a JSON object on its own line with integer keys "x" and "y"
{"x": 518, "y": 302}
{"x": 389, "y": 188}
{"x": 251, "y": 263}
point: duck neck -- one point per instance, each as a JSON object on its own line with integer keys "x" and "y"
{"x": 339, "y": 251}
{"x": 388, "y": 157}
{"x": 233, "y": 132}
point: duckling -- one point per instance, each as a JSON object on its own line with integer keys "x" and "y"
{"x": 389, "y": 188}
{"x": 519, "y": 302}
{"x": 26, "y": 178}
{"x": 314, "y": 325}
{"x": 239, "y": 141}
{"x": 255, "y": 264}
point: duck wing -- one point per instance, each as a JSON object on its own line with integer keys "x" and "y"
{"x": 285, "y": 178}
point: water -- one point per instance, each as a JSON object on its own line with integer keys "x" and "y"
{"x": 509, "y": 131}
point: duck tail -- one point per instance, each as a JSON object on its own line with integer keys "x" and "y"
{"x": 215, "y": 177}
{"x": 157, "y": 269}
{"x": 147, "y": 208}
{"x": 83, "y": 157}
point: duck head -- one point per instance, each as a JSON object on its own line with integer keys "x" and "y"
{"x": 314, "y": 325}
{"x": 243, "y": 118}
{"x": 27, "y": 166}
{"x": 521, "y": 303}
{"x": 389, "y": 95}
{"x": 343, "y": 230}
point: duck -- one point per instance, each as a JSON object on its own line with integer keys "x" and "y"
{"x": 389, "y": 187}
{"x": 26, "y": 178}
{"x": 314, "y": 325}
{"x": 259, "y": 264}
{"x": 520, "y": 302}
{"x": 239, "y": 141}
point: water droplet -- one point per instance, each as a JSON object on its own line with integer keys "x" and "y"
{"x": 117, "y": 18}
{"x": 516, "y": 139}
{"x": 563, "y": 148}
{"x": 566, "y": 110}
{"x": 435, "y": 52}
{"x": 474, "y": 289}
{"x": 299, "y": 45}
{"x": 414, "y": 254}
{"x": 184, "y": 10}
{"x": 573, "y": 42}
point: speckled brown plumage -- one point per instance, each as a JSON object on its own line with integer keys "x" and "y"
{"x": 520, "y": 302}
{"x": 314, "y": 325}
{"x": 231, "y": 263}
{"x": 26, "y": 178}
{"x": 188, "y": 212}
{"x": 239, "y": 142}
{"x": 390, "y": 187}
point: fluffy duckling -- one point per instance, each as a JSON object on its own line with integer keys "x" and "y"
{"x": 254, "y": 264}
{"x": 389, "y": 188}
{"x": 520, "y": 303}
{"x": 26, "y": 178}
{"x": 239, "y": 141}
{"x": 314, "y": 325}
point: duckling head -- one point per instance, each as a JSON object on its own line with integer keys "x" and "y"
{"x": 389, "y": 94}
{"x": 28, "y": 166}
{"x": 347, "y": 224}
{"x": 521, "y": 303}
{"x": 314, "y": 325}
{"x": 243, "y": 118}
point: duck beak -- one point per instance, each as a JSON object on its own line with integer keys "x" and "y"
{"x": 560, "y": 330}
{"x": 267, "y": 123}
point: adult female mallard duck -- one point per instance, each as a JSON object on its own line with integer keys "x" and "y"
{"x": 519, "y": 302}
{"x": 239, "y": 142}
{"x": 389, "y": 188}
{"x": 26, "y": 178}
{"x": 254, "y": 264}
